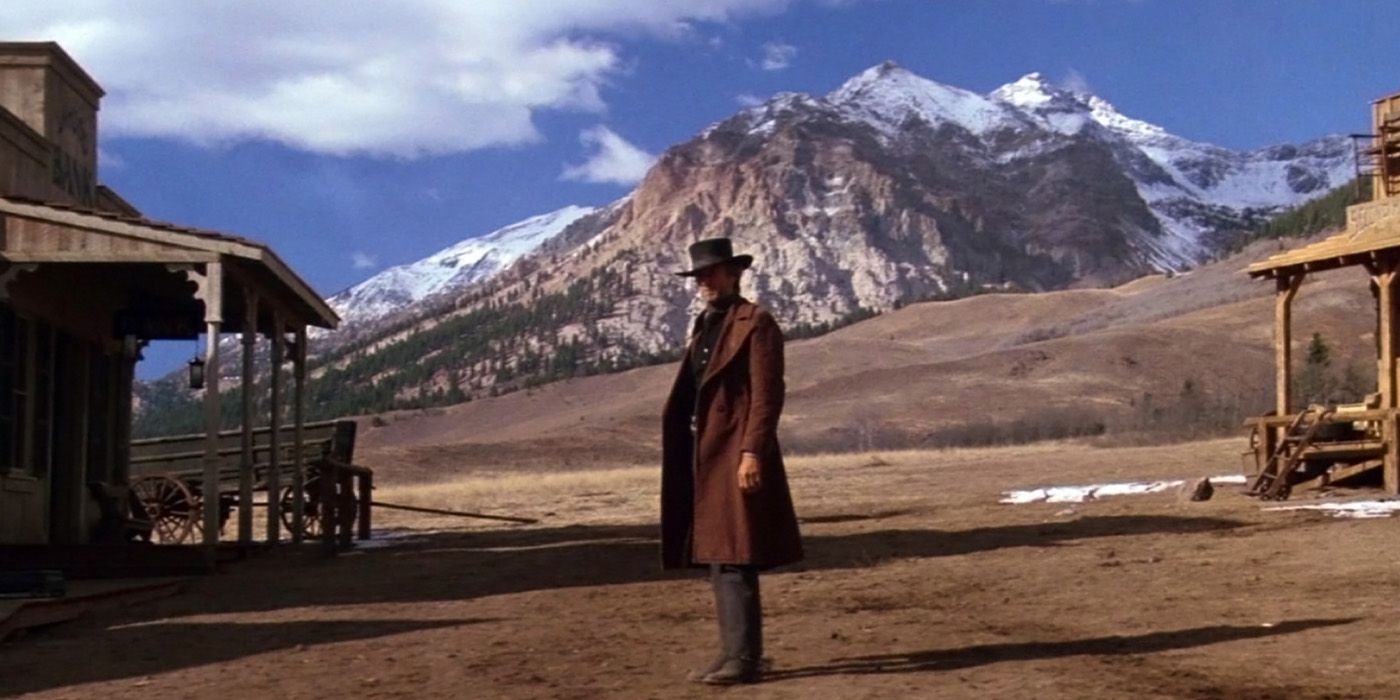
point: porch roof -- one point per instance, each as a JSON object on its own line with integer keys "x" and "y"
{"x": 1356, "y": 247}
{"x": 139, "y": 239}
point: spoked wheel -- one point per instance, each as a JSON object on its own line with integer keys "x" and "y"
{"x": 170, "y": 506}
{"x": 313, "y": 508}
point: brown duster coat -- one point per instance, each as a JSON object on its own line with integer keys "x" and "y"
{"x": 705, "y": 518}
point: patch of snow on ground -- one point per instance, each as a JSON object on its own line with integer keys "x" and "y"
{"x": 1354, "y": 509}
{"x": 1091, "y": 492}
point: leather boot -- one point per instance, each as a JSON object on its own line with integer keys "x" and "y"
{"x": 724, "y": 614}
{"x": 741, "y": 625}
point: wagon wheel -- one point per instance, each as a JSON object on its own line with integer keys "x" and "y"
{"x": 312, "y": 508}
{"x": 170, "y": 506}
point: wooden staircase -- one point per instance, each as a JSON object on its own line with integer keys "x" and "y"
{"x": 1272, "y": 483}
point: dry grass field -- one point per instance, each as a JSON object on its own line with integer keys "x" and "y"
{"x": 918, "y": 583}
{"x": 899, "y": 378}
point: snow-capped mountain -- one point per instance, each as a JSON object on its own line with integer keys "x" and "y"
{"x": 888, "y": 96}
{"x": 454, "y": 268}
{"x": 890, "y": 189}
{"x": 1188, "y": 185}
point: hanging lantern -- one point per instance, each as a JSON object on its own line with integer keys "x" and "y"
{"x": 197, "y": 373}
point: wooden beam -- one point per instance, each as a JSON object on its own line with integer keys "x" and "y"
{"x": 1385, "y": 370}
{"x": 212, "y": 296}
{"x": 245, "y": 462}
{"x": 219, "y": 244}
{"x": 1337, "y": 474}
{"x": 209, "y": 241}
{"x": 163, "y": 256}
{"x": 298, "y": 431}
{"x": 83, "y": 403}
{"x": 1390, "y": 471}
{"x": 119, "y": 391}
{"x": 274, "y": 470}
{"x": 1283, "y": 339}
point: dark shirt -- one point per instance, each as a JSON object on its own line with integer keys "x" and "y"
{"x": 707, "y": 330}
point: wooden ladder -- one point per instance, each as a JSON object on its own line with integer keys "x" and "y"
{"x": 1272, "y": 482}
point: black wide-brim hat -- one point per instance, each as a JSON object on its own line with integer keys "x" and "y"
{"x": 711, "y": 252}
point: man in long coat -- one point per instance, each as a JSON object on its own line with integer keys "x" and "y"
{"x": 725, "y": 503}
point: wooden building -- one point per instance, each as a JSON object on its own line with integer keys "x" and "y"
{"x": 1327, "y": 444}
{"x": 85, "y": 282}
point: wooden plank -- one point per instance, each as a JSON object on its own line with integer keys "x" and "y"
{"x": 328, "y": 425}
{"x": 212, "y": 292}
{"x": 366, "y": 493}
{"x": 1391, "y": 458}
{"x": 1336, "y": 475}
{"x": 312, "y": 447}
{"x": 274, "y": 474}
{"x": 1351, "y": 449}
{"x": 245, "y": 472}
{"x": 1283, "y": 341}
{"x": 1385, "y": 379}
{"x": 157, "y": 256}
{"x": 345, "y": 507}
{"x": 298, "y": 432}
{"x": 325, "y": 480}
{"x": 1337, "y": 417}
{"x": 132, "y": 229}
{"x": 1375, "y": 237}
{"x": 1354, "y": 470}
{"x": 325, "y": 316}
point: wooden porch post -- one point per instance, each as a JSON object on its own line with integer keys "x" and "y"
{"x": 1283, "y": 340}
{"x": 274, "y": 460}
{"x": 213, "y": 319}
{"x": 1385, "y": 374}
{"x": 298, "y": 436}
{"x": 1385, "y": 335}
{"x": 245, "y": 464}
{"x": 120, "y": 434}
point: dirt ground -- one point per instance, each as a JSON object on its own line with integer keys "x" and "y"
{"x": 917, "y": 584}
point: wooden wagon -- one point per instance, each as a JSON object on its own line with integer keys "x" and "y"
{"x": 302, "y": 493}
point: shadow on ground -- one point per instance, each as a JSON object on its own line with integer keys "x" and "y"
{"x": 144, "y": 649}
{"x": 467, "y": 565}
{"x": 980, "y": 655}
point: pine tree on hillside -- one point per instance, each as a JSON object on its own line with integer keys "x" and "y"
{"x": 1328, "y": 211}
{"x": 1315, "y": 384}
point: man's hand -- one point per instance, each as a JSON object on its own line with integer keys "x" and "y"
{"x": 749, "y": 481}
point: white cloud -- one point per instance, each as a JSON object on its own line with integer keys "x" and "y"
{"x": 614, "y": 160}
{"x": 747, "y": 99}
{"x": 777, "y": 55}
{"x": 363, "y": 261}
{"x": 1075, "y": 82}
{"x": 391, "y": 79}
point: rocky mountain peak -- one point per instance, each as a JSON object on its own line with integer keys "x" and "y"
{"x": 888, "y": 96}
{"x": 1034, "y": 91}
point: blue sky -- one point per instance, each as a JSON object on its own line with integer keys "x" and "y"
{"x": 377, "y": 133}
